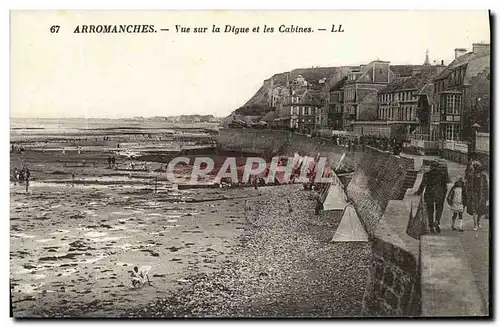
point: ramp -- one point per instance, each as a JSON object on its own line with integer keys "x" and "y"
{"x": 350, "y": 228}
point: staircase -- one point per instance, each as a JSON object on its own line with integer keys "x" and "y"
{"x": 409, "y": 182}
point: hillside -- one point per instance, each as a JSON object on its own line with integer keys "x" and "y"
{"x": 257, "y": 105}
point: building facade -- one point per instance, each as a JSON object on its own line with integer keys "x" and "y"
{"x": 361, "y": 92}
{"x": 462, "y": 94}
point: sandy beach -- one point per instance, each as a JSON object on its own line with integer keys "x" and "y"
{"x": 82, "y": 227}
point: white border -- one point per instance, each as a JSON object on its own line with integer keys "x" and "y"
{"x": 200, "y": 4}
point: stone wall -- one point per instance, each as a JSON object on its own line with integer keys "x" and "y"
{"x": 379, "y": 178}
{"x": 277, "y": 142}
{"x": 393, "y": 218}
{"x": 394, "y": 286}
{"x": 455, "y": 156}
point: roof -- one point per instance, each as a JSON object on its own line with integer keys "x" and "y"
{"x": 428, "y": 90}
{"x": 396, "y": 84}
{"x": 468, "y": 57}
{"x": 408, "y": 83}
{"x": 477, "y": 66}
{"x": 315, "y": 96}
{"x": 403, "y": 70}
{"x": 300, "y": 92}
{"x": 337, "y": 86}
{"x": 270, "y": 116}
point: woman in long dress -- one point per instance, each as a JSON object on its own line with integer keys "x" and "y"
{"x": 479, "y": 194}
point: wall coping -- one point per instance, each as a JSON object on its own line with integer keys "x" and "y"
{"x": 393, "y": 225}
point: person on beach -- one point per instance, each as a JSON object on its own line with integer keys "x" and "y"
{"x": 434, "y": 183}
{"x": 456, "y": 200}
{"x": 289, "y": 206}
{"x": 255, "y": 183}
{"x": 139, "y": 277}
{"x": 109, "y": 162}
{"x": 27, "y": 183}
{"x": 319, "y": 204}
{"x": 479, "y": 194}
{"x": 15, "y": 176}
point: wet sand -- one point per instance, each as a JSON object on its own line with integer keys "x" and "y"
{"x": 74, "y": 244}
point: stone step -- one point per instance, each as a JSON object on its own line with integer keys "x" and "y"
{"x": 448, "y": 284}
{"x": 410, "y": 178}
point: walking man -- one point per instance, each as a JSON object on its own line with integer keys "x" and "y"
{"x": 434, "y": 183}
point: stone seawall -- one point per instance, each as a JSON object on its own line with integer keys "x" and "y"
{"x": 381, "y": 191}
{"x": 394, "y": 285}
{"x": 379, "y": 178}
{"x": 277, "y": 142}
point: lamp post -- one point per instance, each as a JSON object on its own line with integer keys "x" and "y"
{"x": 475, "y": 127}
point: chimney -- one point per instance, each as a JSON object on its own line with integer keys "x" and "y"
{"x": 481, "y": 48}
{"x": 442, "y": 62}
{"x": 460, "y": 52}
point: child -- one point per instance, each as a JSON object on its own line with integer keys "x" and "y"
{"x": 456, "y": 200}
{"x": 139, "y": 277}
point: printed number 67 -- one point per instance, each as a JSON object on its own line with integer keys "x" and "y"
{"x": 54, "y": 29}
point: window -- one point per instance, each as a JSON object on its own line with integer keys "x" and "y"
{"x": 453, "y": 102}
{"x": 452, "y": 132}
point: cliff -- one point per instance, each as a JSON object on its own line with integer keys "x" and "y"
{"x": 258, "y": 103}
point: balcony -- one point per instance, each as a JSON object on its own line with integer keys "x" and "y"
{"x": 435, "y": 117}
{"x": 335, "y": 115}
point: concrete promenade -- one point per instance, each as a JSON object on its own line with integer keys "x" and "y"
{"x": 475, "y": 244}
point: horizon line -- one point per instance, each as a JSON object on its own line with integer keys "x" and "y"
{"x": 136, "y": 117}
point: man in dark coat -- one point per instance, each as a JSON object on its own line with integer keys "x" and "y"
{"x": 435, "y": 184}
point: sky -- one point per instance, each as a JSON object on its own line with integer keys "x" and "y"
{"x": 167, "y": 73}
